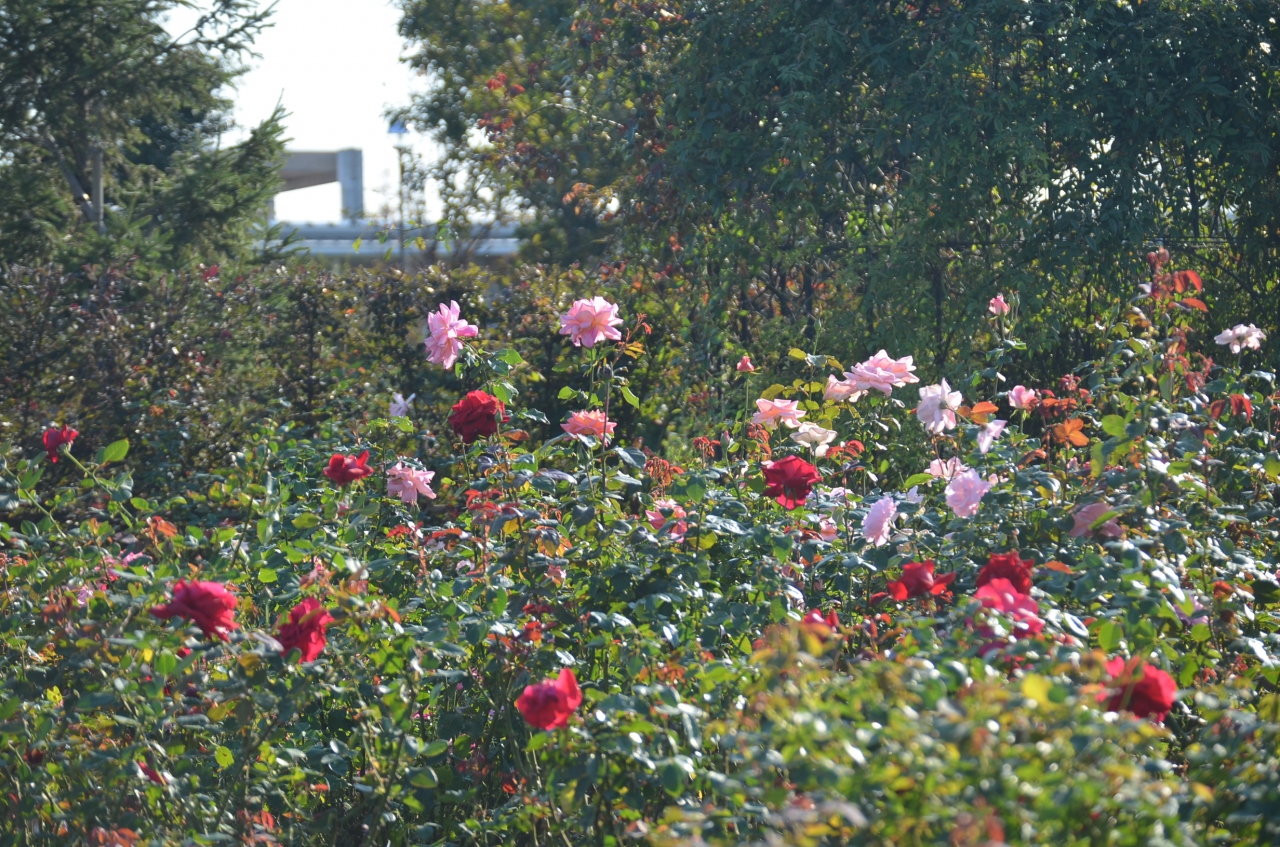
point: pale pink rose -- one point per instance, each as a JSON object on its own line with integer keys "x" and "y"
{"x": 773, "y": 412}
{"x": 997, "y": 306}
{"x": 946, "y": 469}
{"x": 877, "y": 526}
{"x": 817, "y": 437}
{"x": 409, "y": 483}
{"x": 937, "y": 409}
{"x": 745, "y": 366}
{"x": 588, "y": 322}
{"x": 400, "y": 405}
{"x": 1086, "y": 515}
{"x": 882, "y": 373}
{"x": 828, "y": 530}
{"x": 913, "y": 495}
{"x": 1021, "y": 397}
{"x": 840, "y": 390}
{"x": 446, "y": 333}
{"x": 1240, "y": 337}
{"x": 657, "y": 520}
{"x": 592, "y": 423}
{"x": 988, "y": 433}
{"x": 965, "y": 492}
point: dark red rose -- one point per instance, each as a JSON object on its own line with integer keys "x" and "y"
{"x": 1139, "y": 688}
{"x": 790, "y": 480}
{"x": 55, "y": 437}
{"x": 344, "y": 470}
{"x": 305, "y": 629}
{"x": 476, "y": 416}
{"x": 918, "y": 580}
{"x": 548, "y": 704}
{"x": 209, "y": 605}
{"x": 1008, "y": 566}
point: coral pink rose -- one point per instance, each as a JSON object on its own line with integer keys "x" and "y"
{"x": 657, "y": 520}
{"x": 1021, "y": 397}
{"x": 998, "y": 306}
{"x": 882, "y": 373}
{"x": 745, "y": 366}
{"x": 592, "y": 423}
{"x": 999, "y": 595}
{"x": 773, "y": 412}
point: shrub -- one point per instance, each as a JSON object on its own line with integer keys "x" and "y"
{"x": 1054, "y": 626}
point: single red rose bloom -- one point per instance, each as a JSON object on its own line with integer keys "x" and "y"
{"x": 790, "y": 480}
{"x": 209, "y": 605}
{"x": 1007, "y": 566}
{"x": 1149, "y": 693}
{"x": 476, "y": 416}
{"x": 819, "y": 625}
{"x": 344, "y": 470}
{"x": 548, "y": 704}
{"x": 918, "y": 580}
{"x": 305, "y": 629}
{"x": 55, "y": 437}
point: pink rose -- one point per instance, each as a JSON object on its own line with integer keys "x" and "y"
{"x": 446, "y": 333}
{"x": 592, "y": 423}
{"x": 840, "y": 390}
{"x": 937, "y": 409}
{"x": 745, "y": 366}
{"x": 588, "y": 322}
{"x": 1086, "y": 515}
{"x": 997, "y": 306}
{"x": 773, "y": 412}
{"x": 965, "y": 492}
{"x": 946, "y": 468}
{"x": 877, "y": 526}
{"x": 988, "y": 433}
{"x": 657, "y": 520}
{"x": 999, "y": 595}
{"x": 408, "y": 483}
{"x": 882, "y": 373}
{"x": 1021, "y": 397}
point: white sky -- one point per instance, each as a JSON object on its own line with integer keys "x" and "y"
{"x": 335, "y": 67}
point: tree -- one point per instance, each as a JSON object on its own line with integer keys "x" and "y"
{"x": 101, "y": 81}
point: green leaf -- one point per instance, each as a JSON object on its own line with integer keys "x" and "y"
{"x": 267, "y": 575}
{"x": 435, "y": 748}
{"x": 165, "y": 663}
{"x": 1113, "y": 425}
{"x": 426, "y": 778}
{"x": 1109, "y": 635}
{"x": 498, "y": 604}
{"x": 630, "y": 398}
{"x": 306, "y": 521}
{"x": 139, "y": 503}
{"x": 223, "y": 757}
{"x": 918, "y": 479}
{"x": 1272, "y": 467}
{"x": 511, "y": 357}
{"x": 1200, "y": 633}
{"x": 797, "y": 353}
{"x": 115, "y": 451}
{"x": 566, "y": 393}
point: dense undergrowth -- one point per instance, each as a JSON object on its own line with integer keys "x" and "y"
{"x": 864, "y": 610}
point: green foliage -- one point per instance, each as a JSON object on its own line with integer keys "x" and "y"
{"x": 867, "y": 174}
{"x": 722, "y": 701}
{"x": 76, "y": 77}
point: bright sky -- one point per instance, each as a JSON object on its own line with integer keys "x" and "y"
{"x": 335, "y": 67}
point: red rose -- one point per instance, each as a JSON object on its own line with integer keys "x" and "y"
{"x": 476, "y": 415}
{"x": 1240, "y": 405}
{"x": 790, "y": 480}
{"x": 918, "y": 580}
{"x": 548, "y": 704}
{"x": 209, "y": 605}
{"x": 305, "y": 629}
{"x": 1007, "y": 566}
{"x": 820, "y": 626}
{"x": 344, "y": 470}
{"x": 1149, "y": 693}
{"x": 55, "y": 438}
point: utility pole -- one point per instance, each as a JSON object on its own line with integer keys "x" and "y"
{"x": 99, "y": 206}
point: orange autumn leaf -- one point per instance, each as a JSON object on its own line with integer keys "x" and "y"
{"x": 162, "y": 526}
{"x": 1070, "y": 432}
{"x": 980, "y": 411}
{"x": 1060, "y": 567}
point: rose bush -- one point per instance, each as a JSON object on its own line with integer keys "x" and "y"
{"x": 938, "y": 631}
